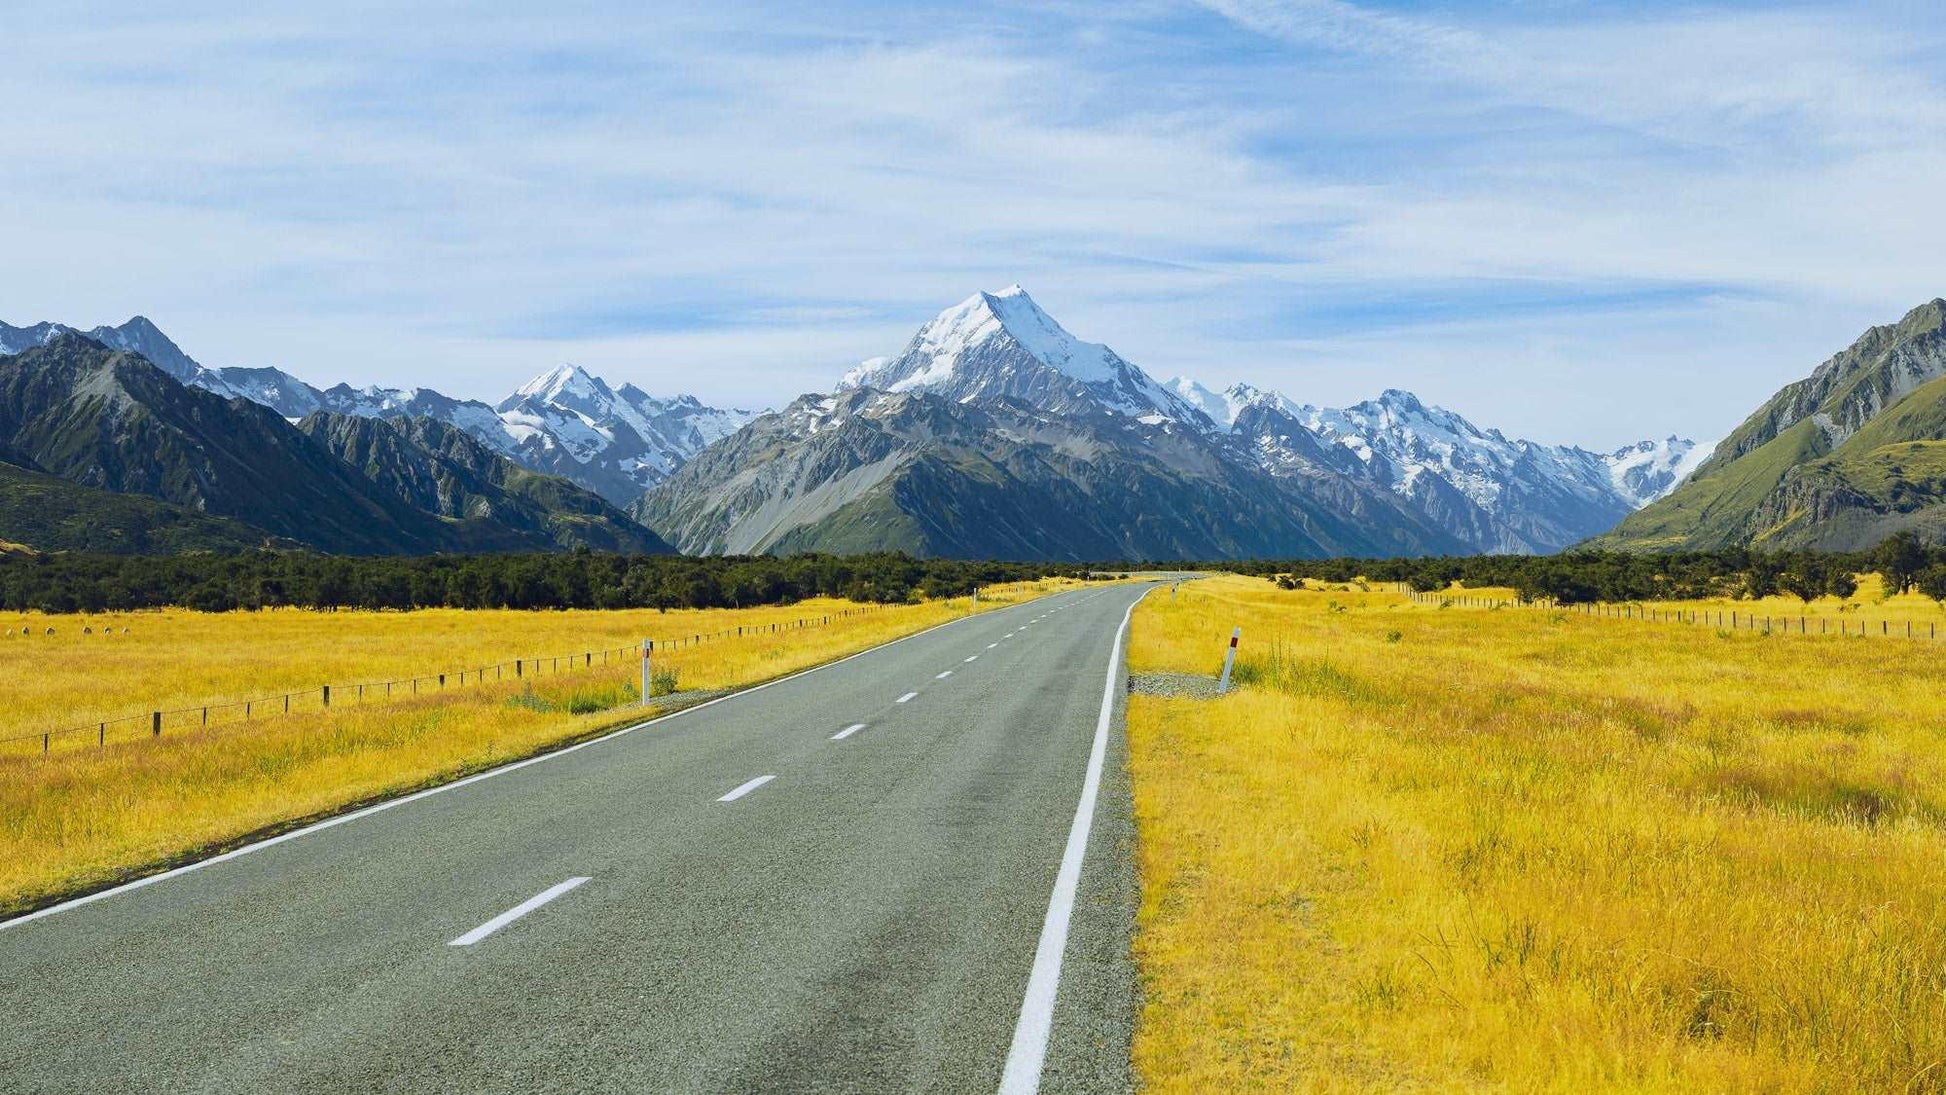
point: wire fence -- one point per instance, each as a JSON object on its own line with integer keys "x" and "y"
{"x": 1721, "y": 619}
{"x": 157, "y": 722}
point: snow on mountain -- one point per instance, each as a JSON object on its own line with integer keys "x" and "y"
{"x": 138, "y": 335}
{"x": 14, "y": 340}
{"x": 1499, "y": 493}
{"x": 566, "y": 421}
{"x": 1002, "y": 345}
{"x": 1223, "y": 408}
{"x": 1648, "y": 470}
{"x": 625, "y": 439}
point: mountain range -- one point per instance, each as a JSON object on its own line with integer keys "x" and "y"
{"x": 86, "y": 428}
{"x": 997, "y": 432}
{"x": 993, "y": 433}
{"x": 1839, "y": 460}
{"x": 566, "y": 422}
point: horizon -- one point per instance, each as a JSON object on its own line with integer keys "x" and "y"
{"x": 1545, "y": 220}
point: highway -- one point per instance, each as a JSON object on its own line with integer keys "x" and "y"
{"x": 843, "y": 881}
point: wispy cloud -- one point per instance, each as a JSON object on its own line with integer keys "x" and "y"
{"x": 1519, "y": 214}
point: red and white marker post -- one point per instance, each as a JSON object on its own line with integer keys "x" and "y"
{"x": 647, "y": 645}
{"x": 1229, "y": 659}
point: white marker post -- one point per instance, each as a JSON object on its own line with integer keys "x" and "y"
{"x": 1229, "y": 659}
{"x": 647, "y": 645}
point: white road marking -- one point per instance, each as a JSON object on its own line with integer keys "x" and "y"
{"x": 746, "y": 788}
{"x": 1029, "y": 1050}
{"x": 943, "y": 676}
{"x": 972, "y": 658}
{"x": 990, "y": 646}
{"x": 516, "y": 913}
{"x": 848, "y": 731}
{"x": 908, "y": 696}
{"x": 390, "y": 804}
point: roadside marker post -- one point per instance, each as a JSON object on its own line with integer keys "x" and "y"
{"x": 647, "y": 645}
{"x": 1229, "y": 660}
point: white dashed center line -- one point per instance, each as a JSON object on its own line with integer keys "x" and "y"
{"x": 943, "y": 676}
{"x": 848, "y": 731}
{"x": 990, "y": 646}
{"x": 746, "y": 788}
{"x": 972, "y": 657}
{"x": 516, "y": 912}
{"x": 907, "y": 697}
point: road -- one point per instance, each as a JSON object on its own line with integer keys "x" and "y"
{"x": 838, "y": 882}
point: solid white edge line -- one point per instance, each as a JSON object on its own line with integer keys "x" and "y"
{"x": 743, "y": 789}
{"x": 1028, "y": 1053}
{"x": 848, "y": 731}
{"x": 514, "y": 766}
{"x": 516, "y": 913}
{"x": 908, "y": 696}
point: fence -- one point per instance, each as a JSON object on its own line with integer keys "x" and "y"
{"x": 1725, "y": 620}
{"x": 154, "y": 723}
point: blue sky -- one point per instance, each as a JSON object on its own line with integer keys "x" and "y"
{"x": 1586, "y": 222}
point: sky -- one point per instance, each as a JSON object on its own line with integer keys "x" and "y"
{"x": 1577, "y": 222}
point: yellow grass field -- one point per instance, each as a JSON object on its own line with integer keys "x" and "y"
{"x": 1871, "y": 610}
{"x": 84, "y": 814}
{"x": 1521, "y": 850}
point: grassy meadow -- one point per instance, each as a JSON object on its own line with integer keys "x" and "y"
{"x": 1872, "y": 609}
{"x": 85, "y": 814}
{"x": 1524, "y": 850}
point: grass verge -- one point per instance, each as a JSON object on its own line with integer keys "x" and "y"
{"x": 1488, "y": 851}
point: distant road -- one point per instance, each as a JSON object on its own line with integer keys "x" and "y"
{"x": 839, "y": 882}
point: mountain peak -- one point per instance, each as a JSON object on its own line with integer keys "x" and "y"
{"x": 564, "y": 382}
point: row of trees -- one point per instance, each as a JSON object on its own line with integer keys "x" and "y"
{"x": 268, "y": 579}
{"x": 265, "y": 579}
{"x": 1582, "y": 577}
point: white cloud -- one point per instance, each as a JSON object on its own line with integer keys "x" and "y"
{"x": 744, "y": 202}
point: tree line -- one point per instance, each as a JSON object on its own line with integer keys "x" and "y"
{"x": 581, "y": 579}
{"x": 1581, "y": 577}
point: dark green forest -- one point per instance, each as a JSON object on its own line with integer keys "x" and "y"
{"x": 1581, "y": 577}
{"x": 580, "y": 579}
{"x": 212, "y": 582}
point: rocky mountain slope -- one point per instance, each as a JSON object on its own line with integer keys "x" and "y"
{"x": 1839, "y": 460}
{"x": 997, "y": 433}
{"x": 441, "y": 469}
{"x": 566, "y": 422}
{"x": 75, "y": 409}
{"x": 1056, "y": 425}
{"x": 1496, "y": 494}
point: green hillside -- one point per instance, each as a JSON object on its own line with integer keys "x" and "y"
{"x": 47, "y": 513}
{"x": 1839, "y": 460}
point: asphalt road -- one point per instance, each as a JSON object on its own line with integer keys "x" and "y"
{"x": 765, "y": 902}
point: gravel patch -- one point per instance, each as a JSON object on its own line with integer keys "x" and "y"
{"x": 1178, "y": 685}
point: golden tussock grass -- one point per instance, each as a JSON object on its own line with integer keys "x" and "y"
{"x": 1870, "y": 607}
{"x": 1521, "y": 850}
{"x": 84, "y": 815}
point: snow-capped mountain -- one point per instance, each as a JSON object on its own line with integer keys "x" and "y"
{"x": 1647, "y": 471}
{"x": 617, "y": 441}
{"x": 566, "y": 422}
{"x": 996, "y": 433}
{"x": 1001, "y": 345}
{"x": 1500, "y": 494}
